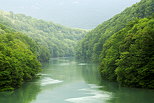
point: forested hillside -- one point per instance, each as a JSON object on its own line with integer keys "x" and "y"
{"x": 54, "y": 40}
{"x": 91, "y": 46}
{"x": 26, "y": 41}
{"x": 128, "y": 55}
{"x": 18, "y": 58}
{"x": 124, "y": 46}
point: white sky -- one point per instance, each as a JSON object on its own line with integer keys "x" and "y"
{"x": 74, "y": 13}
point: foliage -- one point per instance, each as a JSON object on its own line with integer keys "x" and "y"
{"x": 21, "y": 54}
{"x": 135, "y": 64}
{"x": 53, "y": 40}
{"x": 18, "y": 59}
{"x": 128, "y": 55}
{"x": 91, "y": 46}
{"x": 124, "y": 46}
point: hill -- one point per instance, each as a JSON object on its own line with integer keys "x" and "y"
{"x": 54, "y": 40}
{"x": 91, "y": 46}
{"x": 124, "y": 46}
{"x": 26, "y": 41}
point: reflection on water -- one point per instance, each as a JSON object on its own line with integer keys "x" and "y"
{"x": 95, "y": 96}
{"x": 65, "y": 80}
{"x": 25, "y": 94}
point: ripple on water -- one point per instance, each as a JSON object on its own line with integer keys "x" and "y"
{"x": 95, "y": 95}
{"x": 95, "y": 86}
{"x": 82, "y": 64}
{"x": 64, "y": 64}
{"x": 47, "y": 80}
{"x": 41, "y": 74}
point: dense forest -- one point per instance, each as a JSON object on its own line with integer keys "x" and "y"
{"x": 26, "y": 42}
{"x": 54, "y": 40}
{"x": 124, "y": 46}
{"x": 18, "y": 59}
{"x": 128, "y": 55}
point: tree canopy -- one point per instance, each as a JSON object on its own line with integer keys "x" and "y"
{"x": 54, "y": 40}
{"x": 123, "y": 45}
{"x": 18, "y": 59}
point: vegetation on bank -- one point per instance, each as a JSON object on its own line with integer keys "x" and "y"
{"x": 128, "y": 55}
{"x": 53, "y": 40}
{"x": 18, "y": 59}
{"x": 26, "y": 41}
{"x": 124, "y": 46}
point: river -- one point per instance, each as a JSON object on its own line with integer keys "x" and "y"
{"x": 65, "y": 80}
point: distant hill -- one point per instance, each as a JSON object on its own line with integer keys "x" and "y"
{"x": 26, "y": 41}
{"x": 85, "y": 14}
{"x": 54, "y": 40}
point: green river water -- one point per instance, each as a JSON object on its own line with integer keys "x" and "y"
{"x": 65, "y": 80}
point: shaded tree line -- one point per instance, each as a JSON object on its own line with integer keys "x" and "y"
{"x": 54, "y": 40}
{"x": 123, "y": 45}
{"x": 18, "y": 59}
{"x": 26, "y": 42}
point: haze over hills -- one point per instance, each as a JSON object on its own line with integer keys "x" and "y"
{"x": 27, "y": 41}
{"x": 54, "y": 39}
{"x": 75, "y": 13}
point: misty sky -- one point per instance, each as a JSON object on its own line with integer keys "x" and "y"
{"x": 75, "y": 13}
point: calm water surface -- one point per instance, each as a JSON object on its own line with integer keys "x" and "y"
{"x": 64, "y": 80}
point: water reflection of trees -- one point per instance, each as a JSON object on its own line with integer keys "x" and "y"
{"x": 90, "y": 73}
{"x": 119, "y": 94}
{"x": 25, "y": 94}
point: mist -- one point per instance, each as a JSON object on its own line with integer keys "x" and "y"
{"x": 85, "y": 14}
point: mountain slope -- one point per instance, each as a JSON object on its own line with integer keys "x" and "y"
{"x": 91, "y": 46}
{"x": 54, "y": 40}
{"x": 26, "y": 41}
{"x": 128, "y": 55}
{"x": 124, "y": 46}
